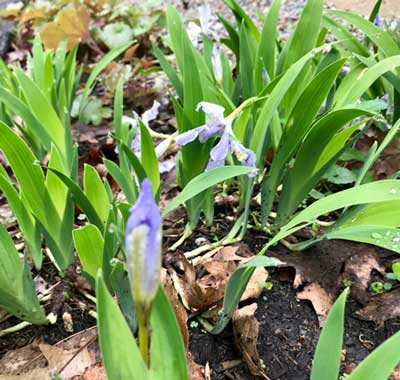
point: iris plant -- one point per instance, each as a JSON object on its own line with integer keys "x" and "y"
{"x": 218, "y": 126}
{"x": 143, "y": 255}
{"x": 160, "y": 149}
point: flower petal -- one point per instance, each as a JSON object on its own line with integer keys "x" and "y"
{"x": 151, "y": 114}
{"x": 246, "y": 156}
{"x": 214, "y": 164}
{"x": 205, "y": 14}
{"x": 214, "y": 111}
{"x": 189, "y": 136}
{"x": 213, "y": 129}
{"x": 166, "y": 166}
{"x": 221, "y": 150}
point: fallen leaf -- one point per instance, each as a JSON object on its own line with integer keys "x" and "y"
{"x": 70, "y": 24}
{"x": 196, "y": 371}
{"x": 246, "y": 331}
{"x": 33, "y": 14}
{"x": 38, "y": 361}
{"x": 358, "y": 269}
{"x": 94, "y": 373}
{"x": 203, "y": 286}
{"x": 180, "y": 311}
{"x": 320, "y": 299}
{"x": 382, "y": 307}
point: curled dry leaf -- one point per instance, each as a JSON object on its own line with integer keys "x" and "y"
{"x": 246, "y": 331}
{"x": 70, "y": 24}
{"x": 320, "y": 299}
{"x": 180, "y": 311}
{"x": 382, "y": 307}
{"x": 204, "y": 285}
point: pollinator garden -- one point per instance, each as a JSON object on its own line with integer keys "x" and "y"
{"x": 199, "y": 195}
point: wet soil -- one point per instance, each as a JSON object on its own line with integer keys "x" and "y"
{"x": 289, "y": 333}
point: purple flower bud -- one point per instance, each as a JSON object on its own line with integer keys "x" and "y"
{"x": 143, "y": 246}
{"x": 378, "y": 20}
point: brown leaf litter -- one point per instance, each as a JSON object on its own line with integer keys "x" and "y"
{"x": 71, "y": 358}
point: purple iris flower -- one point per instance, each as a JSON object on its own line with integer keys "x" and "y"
{"x": 143, "y": 246}
{"x": 218, "y": 126}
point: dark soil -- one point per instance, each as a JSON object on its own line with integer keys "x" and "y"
{"x": 50, "y": 334}
{"x": 289, "y": 332}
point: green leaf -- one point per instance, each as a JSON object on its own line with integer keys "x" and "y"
{"x": 119, "y": 281}
{"x": 377, "y": 35}
{"x": 204, "y": 181}
{"x": 116, "y": 34}
{"x": 44, "y": 111}
{"x": 168, "y": 356}
{"x": 247, "y": 47}
{"x": 121, "y": 357}
{"x": 271, "y": 104}
{"x": 149, "y": 157}
{"x": 374, "y": 192}
{"x": 17, "y": 290}
{"x": 266, "y": 54}
{"x": 364, "y": 81}
{"x": 373, "y": 233}
{"x": 339, "y": 175}
{"x": 298, "y": 125}
{"x": 81, "y": 200}
{"x": 125, "y": 183}
{"x": 89, "y": 244}
{"x": 312, "y": 158}
{"x": 96, "y": 192}
{"x": 25, "y": 220}
{"x": 305, "y": 36}
{"x": 326, "y": 362}
{"x": 100, "y": 66}
{"x": 169, "y": 70}
{"x": 380, "y": 363}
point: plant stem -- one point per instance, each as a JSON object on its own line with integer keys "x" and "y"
{"x": 143, "y": 315}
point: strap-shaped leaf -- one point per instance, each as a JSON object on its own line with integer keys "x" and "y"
{"x": 121, "y": 356}
{"x": 326, "y": 362}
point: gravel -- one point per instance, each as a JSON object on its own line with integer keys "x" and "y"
{"x": 289, "y": 14}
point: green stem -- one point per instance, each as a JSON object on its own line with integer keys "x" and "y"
{"x": 143, "y": 316}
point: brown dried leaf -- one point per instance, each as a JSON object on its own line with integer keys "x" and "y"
{"x": 358, "y": 269}
{"x": 246, "y": 331}
{"x": 253, "y": 289}
{"x": 180, "y": 311}
{"x": 33, "y": 14}
{"x": 37, "y": 361}
{"x": 70, "y": 24}
{"x": 196, "y": 371}
{"x": 382, "y": 307}
{"x": 320, "y": 299}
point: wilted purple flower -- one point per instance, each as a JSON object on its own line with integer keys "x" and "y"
{"x": 218, "y": 126}
{"x": 143, "y": 246}
{"x": 160, "y": 149}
